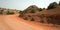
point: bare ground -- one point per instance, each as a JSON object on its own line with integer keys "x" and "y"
{"x": 13, "y": 22}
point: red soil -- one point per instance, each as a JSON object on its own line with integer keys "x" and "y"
{"x": 13, "y": 22}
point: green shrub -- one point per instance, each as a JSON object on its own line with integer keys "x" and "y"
{"x": 52, "y": 5}
{"x": 40, "y": 9}
{"x": 59, "y": 2}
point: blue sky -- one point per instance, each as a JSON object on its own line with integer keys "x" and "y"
{"x": 23, "y": 4}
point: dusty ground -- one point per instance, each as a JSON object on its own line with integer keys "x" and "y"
{"x": 13, "y": 22}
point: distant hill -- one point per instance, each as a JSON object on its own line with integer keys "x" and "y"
{"x": 8, "y": 11}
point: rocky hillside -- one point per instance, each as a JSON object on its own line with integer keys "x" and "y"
{"x": 31, "y": 9}
{"x": 50, "y": 16}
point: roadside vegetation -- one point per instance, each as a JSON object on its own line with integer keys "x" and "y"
{"x": 38, "y": 13}
{"x": 8, "y": 12}
{"x": 44, "y": 18}
{"x": 5, "y": 11}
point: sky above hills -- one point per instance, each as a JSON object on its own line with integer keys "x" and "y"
{"x": 23, "y": 4}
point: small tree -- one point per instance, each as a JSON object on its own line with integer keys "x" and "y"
{"x": 40, "y": 9}
{"x": 21, "y": 12}
{"x": 43, "y": 8}
{"x": 52, "y": 5}
{"x": 59, "y": 2}
{"x": 1, "y": 11}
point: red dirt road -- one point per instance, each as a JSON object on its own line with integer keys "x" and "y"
{"x": 13, "y": 22}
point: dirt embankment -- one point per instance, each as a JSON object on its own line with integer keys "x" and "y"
{"x": 51, "y": 16}
{"x": 13, "y": 22}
